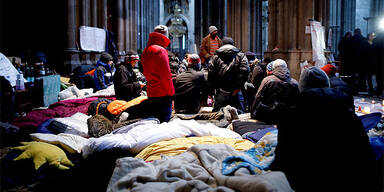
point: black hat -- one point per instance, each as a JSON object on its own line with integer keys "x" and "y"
{"x": 228, "y": 40}
{"x": 105, "y": 57}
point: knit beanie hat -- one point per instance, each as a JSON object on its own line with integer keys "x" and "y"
{"x": 105, "y": 57}
{"x": 212, "y": 29}
{"x": 161, "y": 29}
{"x": 193, "y": 59}
{"x": 275, "y": 64}
{"x": 329, "y": 69}
{"x": 132, "y": 55}
{"x": 228, "y": 40}
{"x": 313, "y": 77}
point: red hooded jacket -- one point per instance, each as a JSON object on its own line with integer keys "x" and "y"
{"x": 156, "y": 66}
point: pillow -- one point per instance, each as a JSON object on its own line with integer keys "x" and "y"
{"x": 42, "y": 153}
{"x": 70, "y": 142}
{"x": 118, "y": 106}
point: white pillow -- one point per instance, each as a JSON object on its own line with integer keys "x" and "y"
{"x": 71, "y": 143}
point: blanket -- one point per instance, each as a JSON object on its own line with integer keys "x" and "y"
{"x": 256, "y": 159}
{"x": 64, "y": 108}
{"x": 137, "y": 138}
{"x": 179, "y": 145}
{"x": 198, "y": 169}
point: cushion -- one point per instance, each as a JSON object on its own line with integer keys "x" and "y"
{"x": 42, "y": 153}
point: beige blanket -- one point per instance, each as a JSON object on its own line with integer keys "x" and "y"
{"x": 198, "y": 169}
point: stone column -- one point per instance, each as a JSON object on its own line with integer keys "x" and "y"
{"x": 85, "y": 21}
{"x": 120, "y": 27}
{"x": 71, "y": 52}
{"x": 103, "y": 14}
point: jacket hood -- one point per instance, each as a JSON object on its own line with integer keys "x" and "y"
{"x": 106, "y": 66}
{"x": 156, "y": 38}
{"x": 228, "y": 49}
{"x": 282, "y": 73}
{"x": 313, "y": 77}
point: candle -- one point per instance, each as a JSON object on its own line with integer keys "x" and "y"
{"x": 366, "y": 110}
{"x": 382, "y": 103}
{"x": 373, "y": 101}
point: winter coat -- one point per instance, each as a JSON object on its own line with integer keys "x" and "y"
{"x": 338, "y": 83}
{"x": 322, "y": 145}
{"x": 257, "y": 75}
{"x": 126, "y": 83}
{"x": 103, "y": 75}
{"x": 277, "y": 95}
{"x": 228, "y": 69}
{"x": 156, "y": 66}
{"x": 190, "y": 90}
{"x": 206, "y": 46}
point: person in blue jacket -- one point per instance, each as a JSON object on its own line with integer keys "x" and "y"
{"x": 104, "y": 72}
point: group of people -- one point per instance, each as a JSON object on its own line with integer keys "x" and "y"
{"x": 361, "y": 59}
{"x": 315, "y": 112}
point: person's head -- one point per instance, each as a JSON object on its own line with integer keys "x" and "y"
{"x": 313, "y": 77}
{"x": 106, "y": 58}
{"x": 267, "y": 60}
{"x": 329, "y": 69}
{"x": 212, "y": 31}
{"x": 371, "y": 36}
{"x": 228, "y": 41}
{"x": 250, "y": 56}
{"x": 275, "y": 64}
{"x": 194, "y": 61}
{"x": 161, "y": 29}
{"x": 348, "y": 35}
{"x": 131, "y": 58}
{"x": 357, "y": 31}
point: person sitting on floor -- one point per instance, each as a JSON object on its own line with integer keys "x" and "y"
{"x": 322, "y": 145}
{"x": 103, "y": 72}
{"x": 127, "y": 86}
{"x": 336, "y": 82}
{"x": 190, "y": 87}
{"x": 277, "y": 94}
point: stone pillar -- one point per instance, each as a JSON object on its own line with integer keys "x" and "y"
{"x": 120, "y": 27}
{"x": 287, "y": 22}
{"x": 71, "y": 52}
{"x": 103, "y": 14}
{"x": 130, "y": 25}
{"x": 94, "y": 13}
{"x": 85, "y": 21}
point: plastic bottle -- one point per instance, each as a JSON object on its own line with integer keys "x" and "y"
{"x": 20, "y": 82}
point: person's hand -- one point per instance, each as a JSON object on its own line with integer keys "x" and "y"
{"x": 248, "y": 85}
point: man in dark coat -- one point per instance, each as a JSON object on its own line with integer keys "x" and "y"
{"x": 190, "y": 87}
{"x": 227, "y": 72}
{"x": 358, "y": 58}
{"x": 322, "y": 146}
{"x": 276, "y": 95}
{"x": 127, "y": 86}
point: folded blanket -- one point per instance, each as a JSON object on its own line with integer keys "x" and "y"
{"x": 177, "y": 146}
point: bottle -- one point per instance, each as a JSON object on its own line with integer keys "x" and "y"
{"x": 20, "y": 82}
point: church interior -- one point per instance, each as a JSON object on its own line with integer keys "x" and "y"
{"x": 48, "y": 54}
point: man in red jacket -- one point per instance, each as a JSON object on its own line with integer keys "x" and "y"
{"x": 157, "y": 72}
